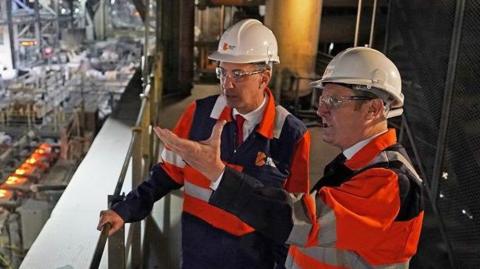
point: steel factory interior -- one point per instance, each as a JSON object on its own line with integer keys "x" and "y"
{"x": 83, "y": 83}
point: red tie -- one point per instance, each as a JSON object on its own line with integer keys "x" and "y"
{"x": 239, "y": 120}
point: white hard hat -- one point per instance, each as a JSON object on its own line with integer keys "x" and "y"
{"x": 247, "y": 41}
{"x": 369, "y": 69}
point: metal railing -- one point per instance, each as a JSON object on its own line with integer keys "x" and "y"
{"x": 141, "y": 151}
{"x": 140, "y": 158}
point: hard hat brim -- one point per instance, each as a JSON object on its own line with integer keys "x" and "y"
{"x": 241, "y": 59}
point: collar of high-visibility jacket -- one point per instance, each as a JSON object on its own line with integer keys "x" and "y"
{"x": 364, "y": 151}
{"x": 349, "y": 152}
{"x": 267, "y": 122}
{"x": 252, "y": 118}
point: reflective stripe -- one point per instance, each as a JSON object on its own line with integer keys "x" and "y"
{"x": 336, "y": 258}
{"x": 325, "y": 255}
{"x": 332, "y": 256}
{"x": 172, "y": 158}
{"x": 220, "y": 104}
{"x": 327, "y": 235}
{"x": 215, "y": 216}
{"x": 302, "y": 225}
{"x": 291, "y": 264}
{"x": 386, "y": 156}
{"x": 280, "y": 116}
{"x": 197, "y": 191}
{"x": 403, "y": 265}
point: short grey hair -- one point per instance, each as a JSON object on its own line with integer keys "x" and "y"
{"x": 374, "y": 93}
{"x": 263, "y": 66}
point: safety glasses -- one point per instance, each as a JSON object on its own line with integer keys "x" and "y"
{"x": 333, "y": 102}
{"x": 237, "y": 75}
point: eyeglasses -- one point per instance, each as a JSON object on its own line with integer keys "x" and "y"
{"x": 236, "y": 74}
{"x": 333, "y": 102}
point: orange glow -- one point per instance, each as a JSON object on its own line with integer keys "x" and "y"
{"x": 20, "y": 172}
{"x": 25, "y": 170}
{"x": 39, "y": 159}
{"x": 45, "y": 146}
{"x": 28, "y": 43}
{"x": 15, "y": 180}
{"x": 5, "y": 194}
{"x": 32, "y": 160}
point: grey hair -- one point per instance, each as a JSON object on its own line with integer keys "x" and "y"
{"x": 264, "y": 66}
{"x": 374, "y": 93}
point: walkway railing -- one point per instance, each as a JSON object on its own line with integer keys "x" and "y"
{"x": 141, "y": 154}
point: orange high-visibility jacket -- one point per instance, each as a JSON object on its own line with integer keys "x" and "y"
{"x": 277, "y": 150}
{"x": 367, "y": 212}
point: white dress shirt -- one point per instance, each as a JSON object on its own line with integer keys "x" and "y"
{"x": 252, "y": 118}
{"x": 349, "y": 152}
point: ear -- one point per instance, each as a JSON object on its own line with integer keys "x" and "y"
{"x": 375, "y": 109}
{"x": 265, "y": 78}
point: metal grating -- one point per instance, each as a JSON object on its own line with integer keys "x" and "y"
{"x": 460, "y": 206}
{"x": 420, "y": 43}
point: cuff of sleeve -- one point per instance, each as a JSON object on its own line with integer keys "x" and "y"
{"x": 214, "y": 184}
{"x": 122, "y": 211}
{"x": 228, "y": 187}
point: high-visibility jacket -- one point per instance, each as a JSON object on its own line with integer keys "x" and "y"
{"x": 366, "y": 213}
{"x": 276, "y": 151}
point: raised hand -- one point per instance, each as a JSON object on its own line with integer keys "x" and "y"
{"x": 203, "y": 156}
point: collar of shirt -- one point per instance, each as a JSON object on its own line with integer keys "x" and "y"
{"x": 349, "y": 152}
{"x": 252, "y": 118}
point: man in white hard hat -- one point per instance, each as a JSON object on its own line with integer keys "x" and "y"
{"x": 259, "y": 139}
{"x": 367, "y": 210}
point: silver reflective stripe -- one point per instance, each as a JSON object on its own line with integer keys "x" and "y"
{"x": 172, "y": 158}
{"x": 331, "y": 256}
{"x": 403, "y": 265}
{"x": 387, "y": 156}
{"x": 327, "y": 237}
{"x": 290, "y": 263}
{"x": 197, "y": 192}
{"x": 362, "y": 264}
{"x": 341, "y": 258}
{"x": 280, "y": 115}
{"x": 302, "y": 225}
{"x": 218, "y": 107}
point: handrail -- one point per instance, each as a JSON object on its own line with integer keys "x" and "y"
{"x": 135, "y": 130}
{"x": 118, "y": 188}
{"x": 102, "y": 240}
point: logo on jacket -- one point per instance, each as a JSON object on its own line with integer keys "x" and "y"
{"x": 262, "y": 160}
{"x": 227, "y": 46}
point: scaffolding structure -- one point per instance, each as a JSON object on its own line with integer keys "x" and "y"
{"x": 34, "y": 27}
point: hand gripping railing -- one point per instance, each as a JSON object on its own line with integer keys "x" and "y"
{"x": 140, "y": 140}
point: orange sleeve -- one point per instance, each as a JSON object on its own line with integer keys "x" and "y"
{"x": 299, "y": 179}
{"x": 182, "y": 129}
{"x": 365, "y": 207}
{"x": 184, "y": 124}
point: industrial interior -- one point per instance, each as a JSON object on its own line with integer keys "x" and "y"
{"x": 83, "y": 82}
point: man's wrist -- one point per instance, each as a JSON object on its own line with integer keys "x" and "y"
{"x": 214, "y": 184}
